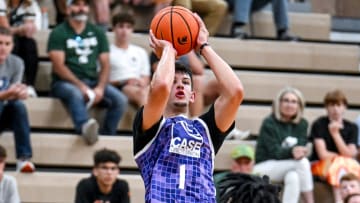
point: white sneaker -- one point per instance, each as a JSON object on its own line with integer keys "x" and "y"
{"x": 25, "y": 166}
{"x": 237, "y": 134}
{"x": 89, "y": 131}
{"x": 31, "y": 92}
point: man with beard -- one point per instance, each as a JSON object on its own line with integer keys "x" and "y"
{"x": 75, "y": 48}
{"x": 103, "y": 186}
{"x": 175, "y": 154}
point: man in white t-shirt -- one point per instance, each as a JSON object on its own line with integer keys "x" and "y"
{"x": 130, "y": 66}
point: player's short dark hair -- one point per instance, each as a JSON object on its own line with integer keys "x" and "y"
{"x": 181, "y": 68}
{"x": 106, "y": 155}
{"x": 240, "y": 188}
{"x": 5, "y": 31}
{"x": 123, "y": 18}
{"x": 2, "y": 152}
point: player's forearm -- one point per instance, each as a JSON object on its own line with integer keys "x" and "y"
{"x": 165, "y": 72}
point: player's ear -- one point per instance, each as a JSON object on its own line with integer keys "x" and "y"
{"x": 192, "y": 97}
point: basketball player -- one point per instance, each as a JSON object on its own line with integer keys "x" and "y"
{"x": 176, "y": 154}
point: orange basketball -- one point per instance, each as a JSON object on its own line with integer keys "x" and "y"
{"x": 177, "y": 25}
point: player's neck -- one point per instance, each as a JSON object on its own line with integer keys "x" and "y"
{"x": 171, "y": 112}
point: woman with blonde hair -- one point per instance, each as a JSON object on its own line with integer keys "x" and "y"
{"x": 281, "y": 147}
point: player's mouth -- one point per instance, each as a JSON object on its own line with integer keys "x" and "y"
{"x": 180, "y": 94}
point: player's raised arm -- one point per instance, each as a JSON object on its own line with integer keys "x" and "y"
{"x": 161, "y": 82}
{"x": 232, "y": 91}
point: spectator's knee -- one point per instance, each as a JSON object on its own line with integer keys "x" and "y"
{"x": 292, "y": 178}
{"x": 303, "y": 164}
{"x": 19, "y": 107}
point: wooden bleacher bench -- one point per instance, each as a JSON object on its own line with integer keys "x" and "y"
{"x": 310, "y": 26}
{"x": 67, "y": 150}
{"x": 262, "y": 86}
{"x": 268, "y": 55}
{"x": 49, "y": 113}
{"x": 60, "y": 187}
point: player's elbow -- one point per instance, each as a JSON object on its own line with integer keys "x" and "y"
{"x": 161, "y": 86}
{"x": 237, "y": 94}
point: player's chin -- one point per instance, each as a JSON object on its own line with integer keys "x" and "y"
{"x": 180, "y": 103}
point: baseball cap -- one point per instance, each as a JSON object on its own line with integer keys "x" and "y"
{"x": 243, "y": 151}
{"x": 69, "y": 2}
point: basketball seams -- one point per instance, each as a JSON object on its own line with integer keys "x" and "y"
{"x": 188, "y": 29}
{"x": 171, "y": 26}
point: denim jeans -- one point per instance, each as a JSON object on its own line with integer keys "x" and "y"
{"x": 13, "y": 116}
{"x": 114, "y": 100}
{"x": 244, "y": 8}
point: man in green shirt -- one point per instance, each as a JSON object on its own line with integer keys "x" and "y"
{"x": 79, "y": 52}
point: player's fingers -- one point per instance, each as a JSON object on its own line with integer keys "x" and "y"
{"x": 199, "y": 20}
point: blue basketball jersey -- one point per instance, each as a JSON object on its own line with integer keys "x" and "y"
{"x": 177, "y": 163}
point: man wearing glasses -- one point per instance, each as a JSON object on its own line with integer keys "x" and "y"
{"x": 103, "y": 186}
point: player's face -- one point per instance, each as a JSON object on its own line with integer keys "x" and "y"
{"x": 123, "y": 31}
{"x": 181, "y": 92}
{"x": 335, "y": 111}
{"x": 289, "y": 105}
{"x": 243, "y": 165}
{"x": 106, "y": 173}
{"x": 349, "y": 187}
{"x": 79, "y": 11}
{"x": 6, "y": 45}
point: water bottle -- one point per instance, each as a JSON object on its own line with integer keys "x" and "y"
{"x": 44, "y": 18}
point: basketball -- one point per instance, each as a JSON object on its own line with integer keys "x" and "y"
{"x": 177, "y": 25}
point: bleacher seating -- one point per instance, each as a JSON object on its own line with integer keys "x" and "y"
{"x": 59, "y": 187}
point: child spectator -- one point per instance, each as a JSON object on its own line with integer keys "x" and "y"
{"x": 349, "y": 184}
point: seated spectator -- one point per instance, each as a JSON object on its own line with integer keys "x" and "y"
{"x": 353, "y": 198}
{"x": 8, "y": 186}
{"x": 212, "y": 11}
{"x": 13, "y": 113}
{"x": 334, "y": 141}
{"x": 103, "y": 184}
{"x": 243, "y": 159}
{"x": 25, "y": 20}
{"x": 243, "y": 9}
{"x": 281, "y": 151}
{"x": 349, "y": 184}
{"x": 130, "y": 66}
{"x": 75, "y": 48}
{"x": 241, "y": 187}
{"x": 358, "y": 138}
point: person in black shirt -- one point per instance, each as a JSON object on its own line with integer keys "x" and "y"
{"x": 103, "y": 186}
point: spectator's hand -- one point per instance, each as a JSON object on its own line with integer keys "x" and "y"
{"x": 17, "y": 91}
{"x": 99, "y": 94}
{"x": 22, "y": 91}
{"x": 334, "y": 127}
{"x": 203, "y": 36}
{"x": 29, "y": 29}
{"x": 299, "y": 152}
{"x": 84, "y": 90}
{"x": 157, "y": 45}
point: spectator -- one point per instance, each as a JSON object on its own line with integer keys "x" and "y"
{"x": 244, "y": 8}
{"x": 130, "y": 66}
{"x": 243, "y": 159}
{"x": 75, "y": 48}
{"x": 349, "y": 184}
{"x": 212, "y": 11}
{"x": 13, "y": 113}
{"x": 334, "y": 141}
{"x": 281, "y": 151}
{"x": 175, "y": 153}
{"x": 25, "y": 20}
{"x": 241, "y": 187}
{"x": 103, "y": 184}
{"x": 8, "y": 187}
{"x": 358, "y": 138}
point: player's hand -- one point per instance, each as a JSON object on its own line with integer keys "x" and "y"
{"x": 203, "y": 36}
{"x": 158, "y": 45}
